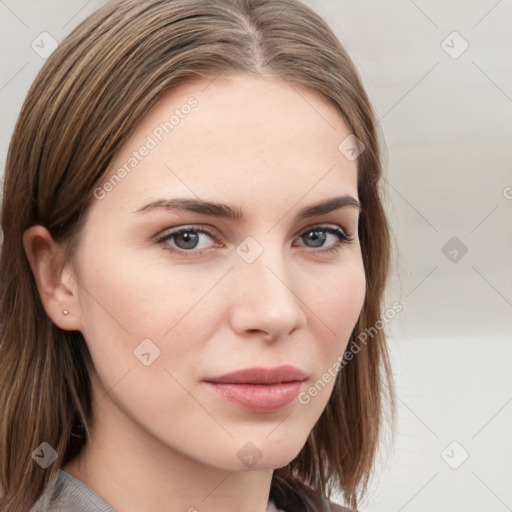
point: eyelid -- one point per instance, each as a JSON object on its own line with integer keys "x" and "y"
{"x": 321, "y": 225}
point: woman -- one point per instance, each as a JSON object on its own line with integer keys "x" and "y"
{"x": 226, "y": 371}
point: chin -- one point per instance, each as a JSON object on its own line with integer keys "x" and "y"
{"x": 257, "y": 454}
{"x": 279, "y": 453}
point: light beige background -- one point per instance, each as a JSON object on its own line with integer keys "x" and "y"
{"x": 446, "y": 120}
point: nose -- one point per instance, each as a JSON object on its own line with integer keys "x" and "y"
{"x": 265, "y": 298}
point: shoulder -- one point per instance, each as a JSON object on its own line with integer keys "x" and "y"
{"x": 68, "y": 493}
{"x": 295, "y": 495}
{"x": 322, "y": 503}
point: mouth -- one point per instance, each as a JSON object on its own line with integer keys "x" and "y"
{"x": 259, "y": 389}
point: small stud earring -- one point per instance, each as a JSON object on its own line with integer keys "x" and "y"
{"x": 66, "y": 312}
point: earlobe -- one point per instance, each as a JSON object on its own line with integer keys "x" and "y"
{"x": 58, "y": 296}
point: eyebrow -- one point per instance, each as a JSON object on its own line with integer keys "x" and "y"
{"x": 237, "y": 214}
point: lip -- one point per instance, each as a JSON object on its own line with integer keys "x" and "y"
{"x": 262, "y": 390}
{"x": 260, "y": 375}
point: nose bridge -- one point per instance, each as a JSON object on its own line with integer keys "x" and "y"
{"x": 267, "y": 300}
{"x": 264, "y": 264}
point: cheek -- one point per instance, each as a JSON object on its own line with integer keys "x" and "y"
{"x": 125, "y": 302}
{"x": 141, "y": 331}
{"x": 343, "y": 298}
{"x": 337, "y": 312}
{"x": 116, "y": 303}
{"x": 345, "y": 292}
{"x": 335, "y": 317}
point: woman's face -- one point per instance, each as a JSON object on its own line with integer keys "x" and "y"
{"x": 163, "y": 314}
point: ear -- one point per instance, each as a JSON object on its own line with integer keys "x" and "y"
{"x": 57, "y": 286}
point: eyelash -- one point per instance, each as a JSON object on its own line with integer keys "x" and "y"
{"x": 342, "y": 238}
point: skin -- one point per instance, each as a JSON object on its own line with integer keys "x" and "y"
{"x": 160, "y": 440}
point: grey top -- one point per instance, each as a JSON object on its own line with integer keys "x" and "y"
{"x": 68, "y": 494}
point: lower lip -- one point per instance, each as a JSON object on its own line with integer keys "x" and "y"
{"x": 258, "y": 397}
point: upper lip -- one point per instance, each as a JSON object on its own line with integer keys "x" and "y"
{"x": 260, "y": 375}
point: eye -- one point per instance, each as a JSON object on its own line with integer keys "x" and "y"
{"x": 185, "y": 239}
{"x": 317, "y": 235}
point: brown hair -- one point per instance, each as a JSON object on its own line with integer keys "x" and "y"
{"x": 82, "y": 107}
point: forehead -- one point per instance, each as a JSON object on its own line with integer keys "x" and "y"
{"x": 239, "y": 136}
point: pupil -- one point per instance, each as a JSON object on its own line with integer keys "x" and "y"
{"x": 318, "y": 239}
{"x": 190, "y": 240}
